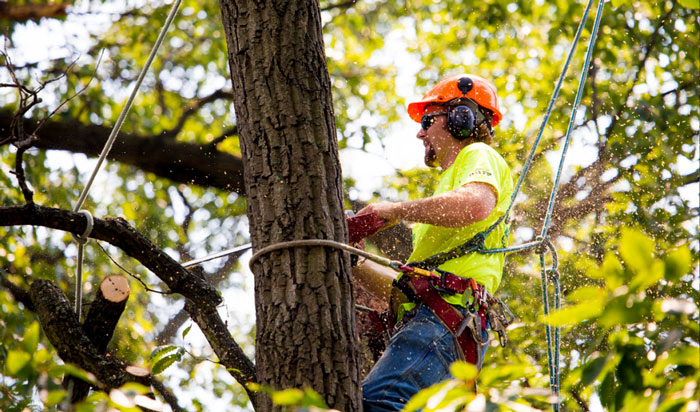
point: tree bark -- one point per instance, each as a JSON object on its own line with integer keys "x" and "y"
{"x": 305, "y": 320}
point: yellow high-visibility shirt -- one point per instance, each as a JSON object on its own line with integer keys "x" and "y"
{"x": 477, "y": 162}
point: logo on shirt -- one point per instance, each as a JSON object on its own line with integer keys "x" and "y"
{"x": 480, "y": 172}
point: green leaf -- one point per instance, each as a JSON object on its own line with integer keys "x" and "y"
{"x": 678, "y": 263}
{"x": 587, "y": 294}
{"x": 159, "y": 352}
{"x": 419, "y": 400}
{"x": 463, "y": 370}
{"x": 643, "y": 280}
{"x": 592, "y": 369}
{"x": 637, "y": 250}
{"x": 186, "y": 331}
{"x": 313, "y": 398}
{"x": 691, "y": 4}
{"x": 574, "y": 314}
{"x": 30, "y": 340}
{"x": 288, "y": 397}
{"x": 163, "y": 363}
{"x": 72, "y": 370}
{"x": 16, "y": 360}
{"x": 55, "y": 397}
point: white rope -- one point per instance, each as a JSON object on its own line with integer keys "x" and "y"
{"x": 323, "y": 242}
{"x": 217, "y": 255}
{"x": 115, "y": 130}
{"x": 81, "y": 240}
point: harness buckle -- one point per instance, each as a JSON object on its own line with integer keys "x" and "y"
{"x": 443, "y": 288}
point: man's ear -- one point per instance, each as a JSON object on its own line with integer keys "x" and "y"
{"x": 484, "y": 132}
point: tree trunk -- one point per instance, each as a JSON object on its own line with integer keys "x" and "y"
{"x": 304, "y": 307}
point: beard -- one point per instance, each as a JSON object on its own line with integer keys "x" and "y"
{"x": 430, "y": 156}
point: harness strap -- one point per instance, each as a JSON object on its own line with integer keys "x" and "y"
{"x": 427, "y": 290}
{"x": 450, "y": 317}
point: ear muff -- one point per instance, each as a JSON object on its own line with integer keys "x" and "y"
{"x": 461, "y": 122}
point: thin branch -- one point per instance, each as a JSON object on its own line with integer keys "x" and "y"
{"x": 79, "y": 92}
{"x": 17, "y": 292}
{"x": 137, "y": 278}
{"x": 344, "y": 5}
{"x": 23, "y": 146}
{"x": 581, "y": 402}
{"x": 193, "y": 107}
{"x": 166, "y": 393}
{"x": 693, "y": 177}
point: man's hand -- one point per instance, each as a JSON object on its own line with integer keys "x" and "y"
{"x": 463, "y": 206}
{"x": 390, "y": 212}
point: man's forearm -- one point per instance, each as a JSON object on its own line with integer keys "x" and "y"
{"x": 461, "y": 207}
{"x": 377, "y": 279}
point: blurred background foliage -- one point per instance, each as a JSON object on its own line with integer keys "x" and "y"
{"x": 627, "y": 215}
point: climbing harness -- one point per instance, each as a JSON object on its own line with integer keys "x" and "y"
{"x": 428, "y": 288}
{"x": 81, "y": 240}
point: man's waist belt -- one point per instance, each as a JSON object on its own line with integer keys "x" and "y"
{"x": 428, "y": 288}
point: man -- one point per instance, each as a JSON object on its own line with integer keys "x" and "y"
{"x": 456, "y": 116}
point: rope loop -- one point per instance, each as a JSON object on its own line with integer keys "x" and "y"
{"x": 325, "y": 243}
{"x": 82, "y": 239}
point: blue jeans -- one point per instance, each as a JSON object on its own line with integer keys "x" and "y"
{"x": 417, "y": 356}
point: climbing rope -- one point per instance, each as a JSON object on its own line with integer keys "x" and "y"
{"x": 81, "y": 240}
{"x": 325, "y": 242}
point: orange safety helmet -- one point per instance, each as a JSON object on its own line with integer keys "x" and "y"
{"x": 449, "y": 88}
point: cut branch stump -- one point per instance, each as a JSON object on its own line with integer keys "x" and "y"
{"x": 102, "y": 318}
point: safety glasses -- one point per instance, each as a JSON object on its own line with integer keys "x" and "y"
{"x": 427, "y": 120}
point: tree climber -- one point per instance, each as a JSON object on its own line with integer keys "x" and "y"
{"x": 446, "y": 320}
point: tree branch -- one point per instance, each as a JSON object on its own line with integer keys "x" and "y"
{"x": 24, "y": 12}
{"x": 61, "y": 327}
{"x": 193, "y": 107}
{"x": 119, "y": 233}
{"x": 100, "y": 322}
{"x": 188, "y": 163}
{"x": 202, "y": 298}
{"x": 17, "y": 292}
{"x": 60, "y": 324}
